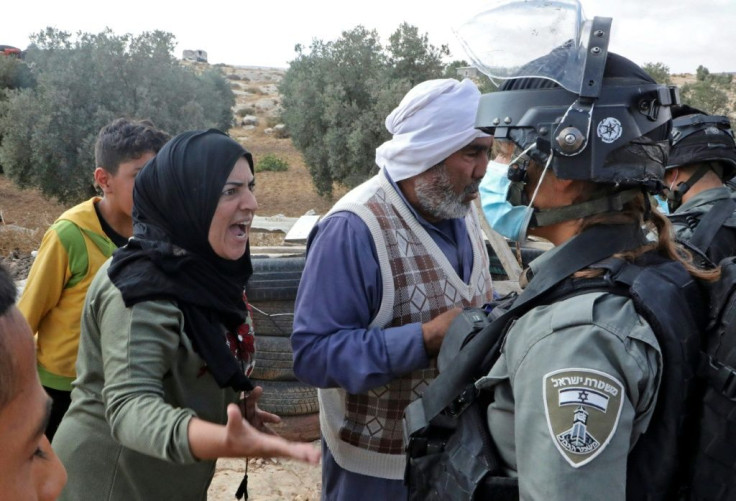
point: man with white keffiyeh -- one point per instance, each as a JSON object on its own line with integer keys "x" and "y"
{"x": 387, "y": 270}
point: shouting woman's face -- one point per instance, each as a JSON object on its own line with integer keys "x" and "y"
{"x": 230, "y": 226}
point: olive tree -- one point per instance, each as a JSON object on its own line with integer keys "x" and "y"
{"x": 336, "y": 96}
{"x": 709, "y": 92}
{"x": 85, "y": 81}
{"x": 412, "y": 57}
{"x": 14, "y": 74}
{"x": 660, "y": 72}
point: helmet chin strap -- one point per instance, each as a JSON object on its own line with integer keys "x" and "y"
{"x": 608, "y": 203}
{"x": 674, "y": 197}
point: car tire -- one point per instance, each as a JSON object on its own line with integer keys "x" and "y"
{"x": 302, "y": 428}
{"x": 287, "y": 398}
{"x": 274, "y": 279}
{"x": 274, "y": 359}
{"x": 273, "y": 318}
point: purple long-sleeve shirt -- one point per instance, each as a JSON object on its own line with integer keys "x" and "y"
{"x": 339, "y": 295}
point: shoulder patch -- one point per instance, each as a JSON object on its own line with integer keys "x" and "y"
{"x": 582, "y": 407}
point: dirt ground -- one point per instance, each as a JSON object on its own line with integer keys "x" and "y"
{"x": 268, "y": 480}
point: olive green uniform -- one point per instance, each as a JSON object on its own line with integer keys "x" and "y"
{"x": 574, "y": 388}
{"x": 139, "y": 383}
{"x": 696, "y": 207}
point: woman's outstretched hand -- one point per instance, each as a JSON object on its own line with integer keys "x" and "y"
{"x": 246, "y": 436}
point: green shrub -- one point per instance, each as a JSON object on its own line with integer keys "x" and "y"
{"x": 660, "y": 72}
{"x": 271, "y": 163}
{"x": 710, "y": 92}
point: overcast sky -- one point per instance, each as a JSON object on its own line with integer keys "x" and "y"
{"x": 681, "y": 34}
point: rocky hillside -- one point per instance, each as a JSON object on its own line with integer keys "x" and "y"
{"x": 256, "y": 93}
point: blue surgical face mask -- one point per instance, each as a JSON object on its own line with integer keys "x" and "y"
{"x": 509, "y": 220}
{"x": 662, "y": 204}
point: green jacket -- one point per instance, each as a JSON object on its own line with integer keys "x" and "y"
{"x": 139, "y": 383}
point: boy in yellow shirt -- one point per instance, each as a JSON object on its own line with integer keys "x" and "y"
{"x": 74, "y": 248}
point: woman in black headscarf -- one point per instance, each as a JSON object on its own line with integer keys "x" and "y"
{"x": 167, "y": 340}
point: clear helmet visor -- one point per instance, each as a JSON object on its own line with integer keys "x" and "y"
{"x": 534, "y": 39}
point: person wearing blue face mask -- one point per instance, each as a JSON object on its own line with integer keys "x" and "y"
{"x": 591, "y": 214}
{"x": 509, "y": 220}
{"x": 662, "y": 205}
{"x": 509, "y": 207}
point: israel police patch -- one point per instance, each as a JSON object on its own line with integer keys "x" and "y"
{"x": 582, "y": 407}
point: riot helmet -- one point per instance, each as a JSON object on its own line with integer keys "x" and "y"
{"x": 698, "y": 138}
{"x": 586, "y": 113}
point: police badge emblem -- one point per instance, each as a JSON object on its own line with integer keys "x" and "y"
{"x": 582, "y": 407}
{"x": 609, "y": 129}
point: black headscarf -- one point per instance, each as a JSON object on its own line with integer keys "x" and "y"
{"x": 174, "y": 199}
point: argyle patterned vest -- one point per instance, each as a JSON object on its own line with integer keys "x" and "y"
{"x": 364, "y": 431}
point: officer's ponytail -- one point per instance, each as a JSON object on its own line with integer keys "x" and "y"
{"x": 638, "y": 211}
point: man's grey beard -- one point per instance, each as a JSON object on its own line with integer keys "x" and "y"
{"x": 436, "y": 197}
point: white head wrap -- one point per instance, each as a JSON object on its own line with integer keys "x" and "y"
{"x": 434, "y": 120}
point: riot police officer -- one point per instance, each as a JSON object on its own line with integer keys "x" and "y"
{"x": 702, "y": 159}
{"x": 588, "y": 396}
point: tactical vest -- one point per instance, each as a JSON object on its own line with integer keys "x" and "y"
{"x": 714, "y": 242}
{"x": 450, "y": 453}
{"x": 714, "y": 236}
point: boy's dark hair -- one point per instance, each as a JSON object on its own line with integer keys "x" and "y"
{"x": 8, "y": 293}
{"x": 124, "y": 140}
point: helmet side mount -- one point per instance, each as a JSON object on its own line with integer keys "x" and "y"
{"x": 572, "y": 133}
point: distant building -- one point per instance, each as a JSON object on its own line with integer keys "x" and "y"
{"x": 468, "y": 72}
{"x": 199, "y": 56}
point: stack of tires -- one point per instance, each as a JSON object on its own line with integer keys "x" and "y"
{"x": 271, "y": 292}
